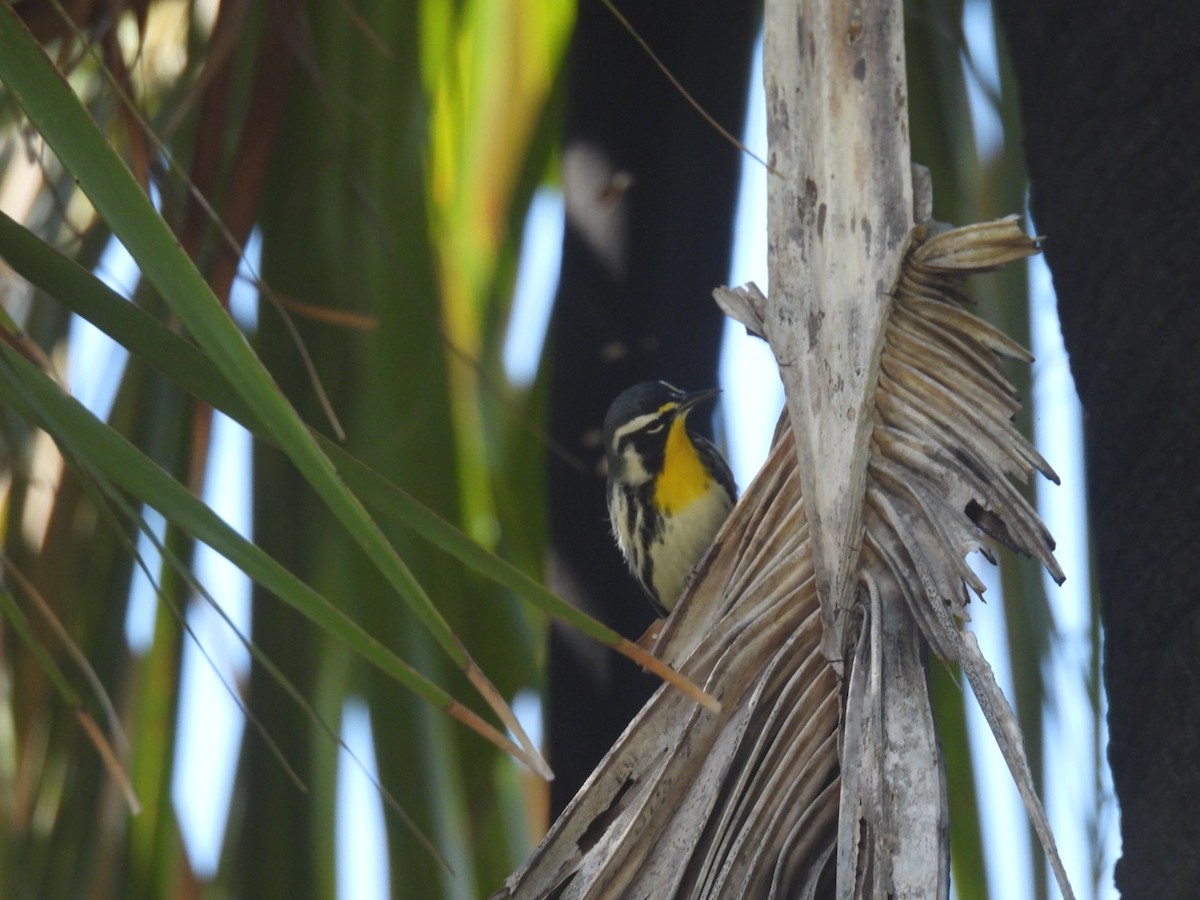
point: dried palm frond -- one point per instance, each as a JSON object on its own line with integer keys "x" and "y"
{"x": 768, "y": 798}
{"x": 942, "y": 452}
{"x": 702, "y": 804}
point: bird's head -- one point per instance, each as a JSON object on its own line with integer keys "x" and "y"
{"x": 638, "y": 424}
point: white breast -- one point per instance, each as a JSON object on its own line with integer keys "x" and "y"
{"x": 686, "y": 536}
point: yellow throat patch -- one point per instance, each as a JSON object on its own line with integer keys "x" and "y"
{"x": 684, "y": 478}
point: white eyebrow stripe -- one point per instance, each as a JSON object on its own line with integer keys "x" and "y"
{"x": 634, "y": 425}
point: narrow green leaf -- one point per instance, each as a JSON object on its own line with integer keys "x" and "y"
{"x": 34, "y": 395}
{"x": 132, "y": 327}
{"x": 20, "y": 624}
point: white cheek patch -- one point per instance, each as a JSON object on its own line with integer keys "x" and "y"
{"x": 635, "y": 472}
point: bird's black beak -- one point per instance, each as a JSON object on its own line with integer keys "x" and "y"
{"x": 695, "y": 398}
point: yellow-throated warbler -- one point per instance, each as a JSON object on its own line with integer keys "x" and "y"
{"x": 669, "y": 488}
